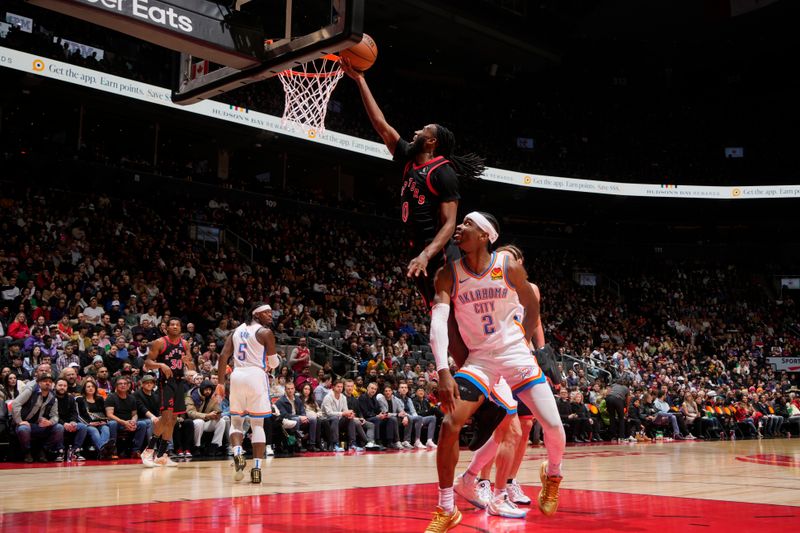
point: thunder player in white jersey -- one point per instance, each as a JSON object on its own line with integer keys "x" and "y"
{"x": 486, "y": 295}
{"x": 250, "y": 344}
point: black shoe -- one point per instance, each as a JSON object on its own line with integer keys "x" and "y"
{"x": 41, "y": 457}
{"x": 255, "y": 475}
{"x": 59, "y": 456}
{"x": 485, "y": 421}
{"x": 28, "y": 457}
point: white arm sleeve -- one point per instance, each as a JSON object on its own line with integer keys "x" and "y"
{"x": 439, "y": 341}
{"x": 273, "y": 361}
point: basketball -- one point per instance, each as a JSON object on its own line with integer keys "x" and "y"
{"x": 363, "y": 55}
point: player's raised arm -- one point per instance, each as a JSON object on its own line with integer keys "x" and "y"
{"x": 386, "y": 132}
{"x": 151, "y": 362}
{"x": 527, "y": 297}
{"x": 440, "y": 313}
{"x": 267, "y": 338}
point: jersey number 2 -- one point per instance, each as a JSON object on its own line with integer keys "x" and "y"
{"x": 488, "y": 324}
{"x": 241, "y": 355}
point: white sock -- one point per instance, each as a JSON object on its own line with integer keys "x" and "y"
{"x": 237, "y": 450}
{"x": 446, "y": 499}
{"x": 498, "y": 493}
{"x": 257, "y": 463}
{"x": 553, "y": 469}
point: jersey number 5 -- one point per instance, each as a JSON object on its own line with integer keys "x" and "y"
{"x": 488, "y": 324}
{"x": 241, "y": 355}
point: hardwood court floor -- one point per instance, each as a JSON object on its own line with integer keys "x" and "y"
{"x": 720, "y": 486}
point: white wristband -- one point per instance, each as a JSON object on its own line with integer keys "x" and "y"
{"x": 439, "y": 340}
{"x": 273, "y": 361}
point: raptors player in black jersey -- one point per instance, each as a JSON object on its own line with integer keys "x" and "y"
{"x": 169, "y": 355}
{"x": 429, "y": 194}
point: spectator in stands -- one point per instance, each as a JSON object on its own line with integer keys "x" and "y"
{"x": 305, "y": 377}
{"x": 300, "y": 357}
{"x": 393, "y": 407}
{"x": 323, "y": 389}
{"x": 35, "y": 416}
{"x": 205, "y": 412}
{"x": 417, "y": 420}
{"x": 335, "y": 410}
{"x": 365, "y": 430}
{"x": 583, "y": 424}
{"x": 19, "y": 330}
{"x": 104, "y": 385}
{"x": 148, "y": 403}
{"x": 10, "y": 387}
{"x": 123, "y": 417}
{"x": 18, "y": 364}
{"x": 93, "y": 313}
{"x": 370, "y": 410}
{"x": 291, "y": 407}
{"x": 74, "y": 430}
{"x": 313, "y": 410}
{"x": 67, "y": 358}
{"x": 71, "y": 375}
{"x": 772, "y": 421}
{"x": 91, "y": 411}
{"x": 665, "y": 414}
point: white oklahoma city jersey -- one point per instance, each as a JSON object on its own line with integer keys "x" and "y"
{"x": 247, "y": 351}
{"x": 249, "y": 386}
{"x": 486, "y": 308}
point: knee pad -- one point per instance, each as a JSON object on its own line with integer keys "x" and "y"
{"x": 257, "y": 426}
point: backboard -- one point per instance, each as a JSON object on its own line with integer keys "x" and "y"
{"x": 224, "y": 45}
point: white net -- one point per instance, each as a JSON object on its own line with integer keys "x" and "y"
{"x": 308, "y": 89}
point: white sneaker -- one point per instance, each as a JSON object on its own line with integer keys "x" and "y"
{"x": 418, "y": 445}
{"x": 431, "y": 444}
{"x": 516, "y": 495}
{"x": 691, "y": 437}
{"x": 407, "y": 445}
{"x": 147, "y": 458}
{"x": 470, "y": 491}
{"x": 270, "y": 453}
{"x": 370, "y": 444}
{"x": 502, "y": 506}
{"x": 165, "y": 460}
{"x": 483, "y": 493}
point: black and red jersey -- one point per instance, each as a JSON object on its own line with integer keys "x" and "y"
{"x": 172, "y": 356}
{"x": 423, "y": 190}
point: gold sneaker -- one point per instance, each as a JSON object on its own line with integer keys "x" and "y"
{"x": 444, "y": 521}
{"x": 548, "y": 497}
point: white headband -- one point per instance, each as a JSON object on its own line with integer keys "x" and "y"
{"x": 484, "y": 224}
{"x": 261, "y": 308}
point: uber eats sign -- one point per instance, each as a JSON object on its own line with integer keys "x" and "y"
{"x": 200, "y": 28}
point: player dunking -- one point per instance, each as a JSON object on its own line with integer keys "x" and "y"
{"x": 429, "y": 199}
{"x": 486, "y": 296}
{"x": 169, "y": 355}
{"x": 254, "y": 347}
{"x": 429, "y": 194}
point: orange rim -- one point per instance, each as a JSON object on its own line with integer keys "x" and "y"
{"x": 328, "y": 57}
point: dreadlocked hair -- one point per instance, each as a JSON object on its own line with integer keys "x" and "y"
{"x": 469, "y": 166}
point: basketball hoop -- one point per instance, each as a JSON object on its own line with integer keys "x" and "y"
{"x": 308, "y": 89}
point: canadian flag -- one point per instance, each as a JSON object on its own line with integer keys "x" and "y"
{"x": 199, "y": 69}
